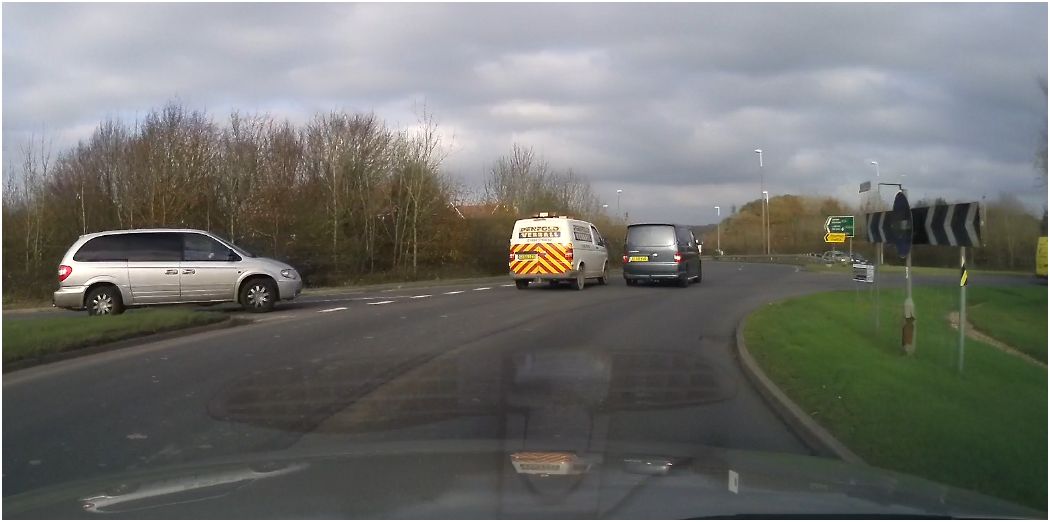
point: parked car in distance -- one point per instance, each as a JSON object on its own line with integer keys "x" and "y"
{"x": 835, "y": 256}
{"x": 107, "y": 272}
{"x": 661, "y": 252}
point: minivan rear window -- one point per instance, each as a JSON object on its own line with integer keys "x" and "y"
{"x": 651, "y": 235}
{"x": 102, "y": 248}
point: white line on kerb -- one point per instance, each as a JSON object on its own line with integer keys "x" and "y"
{"x": 454, "y": 292}
{"x": 380, "y": 302}
{"x": 483, "y": 288}
{"x": 419, "y": 296}
{"x": 333, "y": 309}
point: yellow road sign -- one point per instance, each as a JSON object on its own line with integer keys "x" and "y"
{"x": 835, "y": 237}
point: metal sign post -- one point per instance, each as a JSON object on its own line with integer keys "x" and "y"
{"x": 956, "y": 225}
{"x": 963, "y": 276}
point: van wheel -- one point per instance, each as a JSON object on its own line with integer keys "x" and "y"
{"x": 104, "y": 300}
{"x": 258, "y": 295}
{"x": 580, "y": 281}
{"x": 604, "y": 279}
{"x": 521, "y": 283}
{"x": 683, "y": 282}
{"x": 700, "y": 275}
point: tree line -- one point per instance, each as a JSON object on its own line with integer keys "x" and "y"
{"x": 344, "y": 197}
{"x": 347, "y": 198}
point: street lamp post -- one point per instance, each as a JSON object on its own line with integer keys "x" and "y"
{"x": 765, "y": 203}
{"x": 718, "y": 230}
{"x": 765, "y": 196}
{"x": 618, "y": 193}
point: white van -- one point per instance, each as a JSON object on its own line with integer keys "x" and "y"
{"x": 555, "y": 249}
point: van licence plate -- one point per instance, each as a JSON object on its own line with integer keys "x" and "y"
{"x": 526, "y": 257}
{"x": 638, "y": 258}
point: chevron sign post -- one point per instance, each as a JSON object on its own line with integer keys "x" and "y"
{"x": 957, "y": 225}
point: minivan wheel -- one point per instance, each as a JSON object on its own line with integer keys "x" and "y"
{"x": 258, "y": 295}
{"x": 580, "y": 281}
{"x": 521, "y": 283}
{"x": 104, "y": 300}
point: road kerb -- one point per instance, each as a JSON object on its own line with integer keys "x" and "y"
{"x": 123, "y": 343}
{"x": 812, "y": 434}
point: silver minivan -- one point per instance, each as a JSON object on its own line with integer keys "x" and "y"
{"x": 107, "y": 272}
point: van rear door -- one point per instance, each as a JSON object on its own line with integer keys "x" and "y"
{"x": 651, "y": 243}
{"x": 541, "y": 246}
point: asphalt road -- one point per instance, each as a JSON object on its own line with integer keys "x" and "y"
{"x": 545, "y": 368}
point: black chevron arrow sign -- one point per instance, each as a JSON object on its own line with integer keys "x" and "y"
{"x": 956, "y": 225}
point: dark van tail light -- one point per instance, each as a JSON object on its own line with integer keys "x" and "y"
{"x": 625, "y": 258}
{"x": 677, "y": 257}
{"x": 63, "y": 272}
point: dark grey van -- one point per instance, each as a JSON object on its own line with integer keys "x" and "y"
{"x": 661, "y": 252}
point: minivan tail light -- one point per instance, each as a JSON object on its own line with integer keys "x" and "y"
{"x": 63, "y": 272}
{"x": 677, "y": 257}
{"x": 625, "y": 258}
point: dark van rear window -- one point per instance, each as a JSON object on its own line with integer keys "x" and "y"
{"x": 651, "y": 235}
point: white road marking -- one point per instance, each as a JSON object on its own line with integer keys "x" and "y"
{"x": 483, "y": 288}
{"x": 506, "y": 285}
{"x": 454, "y": 292}
{"x": 380, "y": 302}
{"x": 420, "y": 296}
{"x": 333, "y": 309}
{"x": 734, "y": 482}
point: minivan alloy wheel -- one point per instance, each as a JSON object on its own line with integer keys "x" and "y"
{"x": 258, "y": 295}
{"x": 103, "y": 304}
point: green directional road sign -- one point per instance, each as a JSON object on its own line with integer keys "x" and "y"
{"x": 839, "y": 225}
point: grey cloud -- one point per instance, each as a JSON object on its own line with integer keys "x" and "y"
{"x": 668, "y": 99}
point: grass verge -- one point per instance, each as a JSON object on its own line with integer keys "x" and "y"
{"x": 30, "y": 338}
{"x": 984, "y": 430}
{"x": 918, "y": 270}
{"x": 1012, "y": 315}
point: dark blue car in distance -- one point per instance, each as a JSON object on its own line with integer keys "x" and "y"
{"x": 661, "y": 252}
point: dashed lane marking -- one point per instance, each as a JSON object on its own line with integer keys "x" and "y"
{"x": 380, "y": 302}
{"x": 332, "y": 309}
{"x": 483, "y": 288}
{"x": 454, "y": 292}
{"x": 419, "y": 296}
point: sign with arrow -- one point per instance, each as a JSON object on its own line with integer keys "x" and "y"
{"x": 839, "y": 225}
{"x": 956, "y": 225}
{"x": 834, "y": 237}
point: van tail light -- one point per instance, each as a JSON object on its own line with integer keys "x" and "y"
{"x": 63, "y": 272}
{"x": 625, "y": 258}
{"x": 677, "y": 257}
{"x": 512, "y": 258}
{"x": 568, "y": 254}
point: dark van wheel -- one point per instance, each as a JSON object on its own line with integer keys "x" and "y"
{"x": 258, "y": 295}
{"x": 683, "y": 282}
{"x": 521, "y": 283}
{"x": 104, "y": 300}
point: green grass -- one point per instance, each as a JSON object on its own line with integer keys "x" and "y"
{"x": 918, "y": 270}
{"x": 1011, "y": 315}
{"x": 984, "y": 430}
{"x": 30, "y": 338}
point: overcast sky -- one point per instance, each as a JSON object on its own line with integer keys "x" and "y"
{"x": 667, "y": 102}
